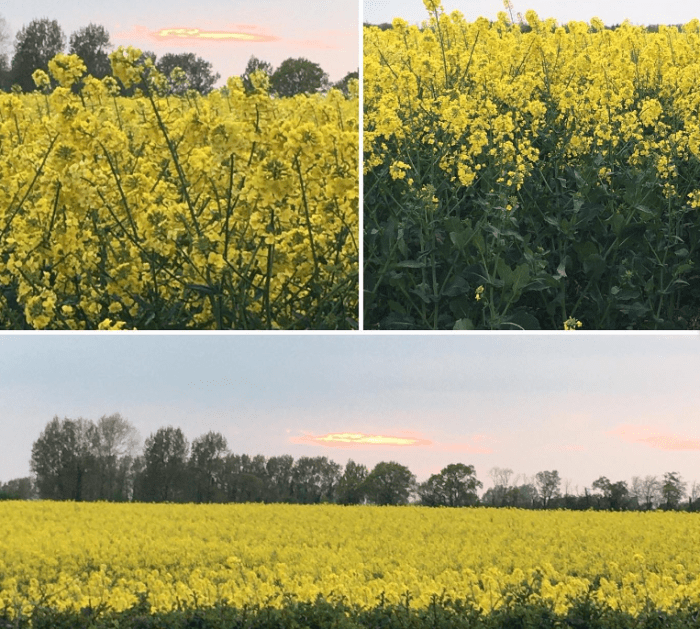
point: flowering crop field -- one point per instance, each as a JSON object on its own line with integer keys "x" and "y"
{"x": 231, "y": 210}
{"x": 74, "y": 556}
{"x": 533, "y": 178}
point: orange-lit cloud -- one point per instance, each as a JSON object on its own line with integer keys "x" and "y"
{"x": 358, "y": 439}
{"x": 196, "y": 33}
{"x": 568, "y": 448}
{"x": 655, "y": 438}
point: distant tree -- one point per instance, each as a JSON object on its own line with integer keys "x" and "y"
{"x": 501, "y": 482}
{"x": 92, "y": 44}
{"x": 5, "y": 38}
{"x": 113, "y": 445}
{"x": 547, "y": 484}
{"x": 385, "y": 26}
{"x": 61, "y": 459}
{"x": 255, "y": 64}
{"x": 614, "y": 495}
{"x": 672, "y": 490}
{"x": 165, "y": 460}
{"x": 35, "y": 46}
{"x": 198, "y": 75}
{"x": 342, "y": 85}
{"x": 314, "y": 479}
{"x": 244, "y": 478}
{"x": 18, "y": 489}
{"x": 279, "y": 477}
{"x": 298, "y": 76}
{"x": 647, "y": 491}
{"x": 454, "y": 486}
{"x": 351, "y": 488}
{"x": 390, "y": 484}
{"x": 141, "y": 61}
{"x": 207, "y": 467}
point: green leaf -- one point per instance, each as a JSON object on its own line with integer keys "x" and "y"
{"x": 412, "y": 264}
{"x": 463, "y": 324}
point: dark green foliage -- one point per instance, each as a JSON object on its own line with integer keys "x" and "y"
{"x": 390, "y": 484}
{"x": 255, "y": 65}
{"x": 442, "y": 613}
{"x": 298, "y": 76}
{"x": 35, "y": 46}
{"x": 198, "y": 72}
{"x": 92, "y": 45}
{"x": 342, "y": 85}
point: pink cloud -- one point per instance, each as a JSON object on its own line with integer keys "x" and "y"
{"x": 244, "y": 34}
{"x": 473, "y": 446}
{"x": 359, "y": 440}
{"x": 655, "y": 438}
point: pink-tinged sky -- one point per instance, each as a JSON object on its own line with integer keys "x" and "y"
{"x": 586, "y": 405}
{"x": 224, "y": 32}
{"x": 636, "y": 11}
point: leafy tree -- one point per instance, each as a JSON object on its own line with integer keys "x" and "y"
{"x": 614, "y": 495}
{"x": 314, "y": 479}
{"x": 61, "y": 459}
{"x": 279, "y": 477}
{"x": 298, "y": 76}
{"x": 351, "y": 486}
{"x": 18, "y": 489}
{"x": 165, "y": 460}
{"x": 35, "y": 46}
{"x": 454, "y": 486}
{"x": 113, "y": 445}
{"x": 342, "y": 85}
{"x": 207, "y": 466}
{"x": 672, "y": 490}
{"x": 92, "y": 44}
{"x": 254, "y": 65}
{"x": 547, "y": 484}
{"x": 390, "y": 484}
{"x": 244, "y": 479}
{"x": 197, "y": 73}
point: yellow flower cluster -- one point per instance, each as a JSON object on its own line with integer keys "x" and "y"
{"x": 476, "y": 95}
{"x": 72, "y": 555}
{"x": 109, "y": 203}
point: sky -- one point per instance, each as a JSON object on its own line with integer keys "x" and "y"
{"x": 586, "y": 405}
{"x": 636, "y": 11}
{"x": 224, "y": 32}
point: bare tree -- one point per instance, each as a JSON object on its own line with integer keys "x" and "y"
{"x": 547, "y": 484}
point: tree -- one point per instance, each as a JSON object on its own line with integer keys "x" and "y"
{"x": 207, "y": 466}
{"x": 351, "y": 486}
{"x": 18, "y": 489}
{"x": 279, "y": 477}
{"x": 5, "y": 38}
{"x": 92, "y": 44}
{"x": 298, "y": 76}
{"x": 547, "y": 484}
{"x": 614, "y": 495}
{"x": 61, "y": 459}
{"x": 501, "y": 480}
{"x": 390, "y": 484}
{"x": 113, "y": 446}
{"x": 254, "y": 65}
{"x": 35, "y": 46}
{"x": 454, "y": 486}
{"x": 197, "y": 71}
{"x": 647, "y": 491}
{"x": 672, "y": 490}
{"x": 342, "y": 85}
{"x": 314, "y": 479}
{"x": 165, "y": 460}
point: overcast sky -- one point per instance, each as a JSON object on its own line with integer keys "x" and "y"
{"x": 636, "y": 11}
{"x": 584, "y": 405}
{"x": 323, "y": 32}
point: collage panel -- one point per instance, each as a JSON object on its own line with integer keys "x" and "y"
{"x": 356, "y": 481}
{"x": 531, "y": 165}
{"x": 170, "y": 167}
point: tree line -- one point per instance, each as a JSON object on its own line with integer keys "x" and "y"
{"x": 82, "y": 460}
{"x": 37, "y": 43}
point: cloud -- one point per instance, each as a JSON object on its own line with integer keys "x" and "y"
{"x": 473, "y": 446}
{"x": 359, "y": 440}
{"x": 655, "y": 438}
{"x": 196, "y": 33}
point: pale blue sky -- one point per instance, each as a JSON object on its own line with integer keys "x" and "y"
{"x": 637, "y": 11}
{"x": 321, "y": 31}
{"x": 585, "y": 405}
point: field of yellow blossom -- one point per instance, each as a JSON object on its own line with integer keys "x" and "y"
{"x": 73, "y": 556}
{"x": 231, "y": 210}
{"x": 535, "y": 175}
